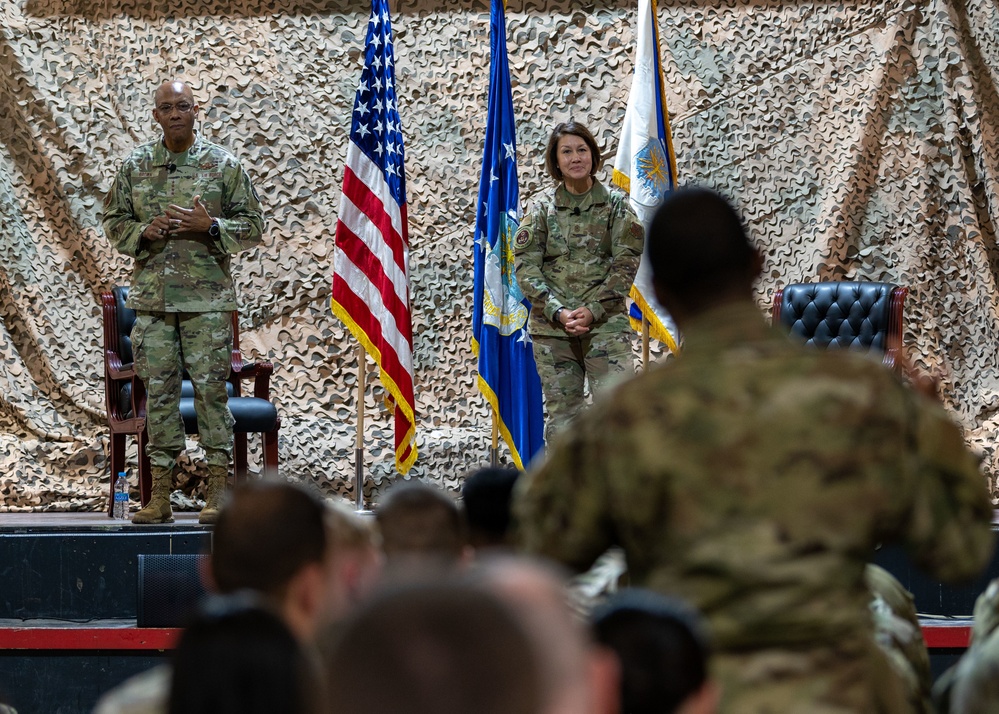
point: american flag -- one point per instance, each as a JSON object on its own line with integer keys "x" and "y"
{"x": 370, "y": 265}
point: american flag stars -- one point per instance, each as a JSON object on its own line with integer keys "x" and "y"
{"x": 376, "y": 128}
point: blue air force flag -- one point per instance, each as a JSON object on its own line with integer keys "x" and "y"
{"x": 508, "y": 377}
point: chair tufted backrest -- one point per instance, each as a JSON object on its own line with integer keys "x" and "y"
{"x": 126, "y": 318}
{"x": 838, "y": 314}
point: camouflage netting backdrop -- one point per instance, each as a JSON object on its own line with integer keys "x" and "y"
{"x": 860, "y": 139}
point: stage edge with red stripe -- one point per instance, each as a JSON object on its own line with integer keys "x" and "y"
{"x": 88, "y": 638}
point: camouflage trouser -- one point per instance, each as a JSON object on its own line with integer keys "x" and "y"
{"x": 566, "y": 363}
{"x": 164, "y": 345}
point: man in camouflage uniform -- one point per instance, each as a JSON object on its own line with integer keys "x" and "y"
{"x": 753, "y": 477}
{"x": 180, "y": 207}
{"x": 577, "y": 253}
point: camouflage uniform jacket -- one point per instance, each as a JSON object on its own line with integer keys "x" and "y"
{"x": 189, "y": 272}
{"x": 754, "y": 476}
{"x": 566, "y": 258}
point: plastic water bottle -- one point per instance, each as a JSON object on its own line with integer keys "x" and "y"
{"x": 121, "y": 496}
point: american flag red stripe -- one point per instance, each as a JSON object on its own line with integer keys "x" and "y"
{"x": 371, "y": 206}
{"x": 370, "y": 265}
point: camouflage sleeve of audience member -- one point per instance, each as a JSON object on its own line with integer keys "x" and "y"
{"x": 529, "y": 254}
{"x": 560, "y": 506}
{"x": 121, "y": 226}
{"x": 975, "y": 686}
{"x": 950, "y": 529}
{"x": 627, "y": 243}
{"x": 242, "y": 224}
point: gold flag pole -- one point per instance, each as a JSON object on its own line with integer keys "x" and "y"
{"x": 645, "y": 342}
{"x": 494, "y": 449}
{"x": 359, "y": 436}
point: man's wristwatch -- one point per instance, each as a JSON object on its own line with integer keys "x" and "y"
{"x": 213, "y": 230}
{"x": 557, "y": 313}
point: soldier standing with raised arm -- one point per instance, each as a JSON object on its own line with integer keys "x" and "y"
{"x": 753, "y": 477}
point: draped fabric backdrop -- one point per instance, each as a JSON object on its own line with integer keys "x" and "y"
{"x": 859, "y": 138}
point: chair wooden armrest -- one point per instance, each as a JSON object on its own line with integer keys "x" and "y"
{"x": 260, "y": 373}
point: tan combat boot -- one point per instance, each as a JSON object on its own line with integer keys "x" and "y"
{"x": 158, "y": 509}
{"x": 215, "y": 489}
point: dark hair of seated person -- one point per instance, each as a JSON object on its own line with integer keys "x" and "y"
{"x": 266, "y": 533}
{"x": 418, "y": 519}
{"x": 235, "y": 656}
{"x": 486, "y": 495}
{"x": 433, "y": 648}
{"x": 661, "y": 647}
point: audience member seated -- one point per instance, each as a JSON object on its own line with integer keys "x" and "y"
{"x": 972, "y": 685}
{"x": 236, "y": 656}
{"x": 355, "y": 561}
{"x": 486, "y": 495}
{"x": 432, "y": 648}
{"x": 663, "y": 652}
{"x": 578, "y": 676}
{"x": 899, "y": 635}
{"x": 422, "y": 531}
{"x": 272, "y": 538}
{"x": 284, "y": 543}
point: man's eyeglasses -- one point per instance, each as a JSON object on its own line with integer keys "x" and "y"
{"x": 182, "y": 107}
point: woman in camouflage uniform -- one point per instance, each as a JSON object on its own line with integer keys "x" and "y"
{"x": 577, "y": 253}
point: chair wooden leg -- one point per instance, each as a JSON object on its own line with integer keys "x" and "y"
{"x": 116, "y": 462}
{"x": 270, "y": 439}
{"x": 239, "y": 458}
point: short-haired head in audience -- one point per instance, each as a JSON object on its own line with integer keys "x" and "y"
{"x": 266, "y": 533}
{"x": 432, "y": 648}
{"x": 236, "y": 656}
{"x": 280, "y": 540}
{"x": 422, "y": 531}
{"x": 663, "y": 651}
{"x": 486, "y": 495}
{"x": 355, "y": 560}
{"x": 578, "y": 676}
{"x": 700, "y": 253}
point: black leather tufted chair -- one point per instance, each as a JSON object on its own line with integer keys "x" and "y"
{"x": 849, "y": 315}
{"x": 125, "y": 398}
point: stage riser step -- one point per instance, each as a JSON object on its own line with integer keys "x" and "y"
{"x": 82, "y": 575}
{"x": 66, "y": 682}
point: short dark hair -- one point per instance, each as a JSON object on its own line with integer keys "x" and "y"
{"x": 420, "y": 519}
{"x": 486, "y": 495}
{"x": 575, "y": 129}
{"x": 661, "y": 646}
{"x": 432, "y": 648}
{"x": 235, "y": 656}
{"x": 698, "y": 245}
{"x": 266, "y": 533}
